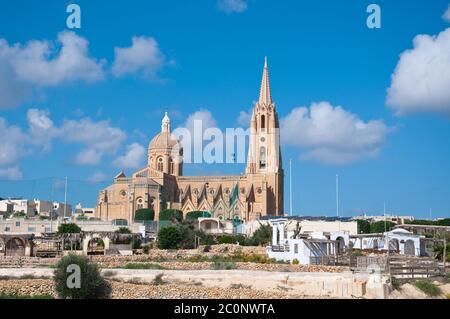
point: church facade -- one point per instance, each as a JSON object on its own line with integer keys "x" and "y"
{"x": 257, "y": 192}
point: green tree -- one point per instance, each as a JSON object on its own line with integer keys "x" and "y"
{"x": 92, "y": 285}
{"x": 169, "y": 238}
{"x": 363, "y": 226}
{"x": 420, "y": 222}
{"x": 144, "y": 214}
{"x": 262, "y": 236}
{"x": 171, "y": 215}
{"x": 197, "y": 214}
{"x": 226, "y": 239}
{"x": 123, "y": 230}
{"x": 136, "y": 243}
{"x": 381, "y": 226}
{"x": 69, "y": 229}
{"x": 443, "y": 222}
{"x": 439, "y": 250}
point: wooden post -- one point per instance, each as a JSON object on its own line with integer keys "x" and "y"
{"x": 445, "y": 254}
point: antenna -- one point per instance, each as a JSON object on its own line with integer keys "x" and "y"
{"x": 290, "y": 187}
{"x": 65, "y": 198}
{"x": 337, "y": 195}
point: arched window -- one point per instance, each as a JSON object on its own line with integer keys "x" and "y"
{"x": 263, "y": 122}
{"x": 160, "y": 164}
{"x": 152, "y": 203}
{"x": 171, "y": 166}
{"x": 262, "y": 157}
{"x": 139, "y": 203}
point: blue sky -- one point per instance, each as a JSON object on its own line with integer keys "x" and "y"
{"x": 209, "y": 57}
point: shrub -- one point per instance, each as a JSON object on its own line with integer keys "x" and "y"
{"x": 171, "y": 214}
{"x": 429, "y": 288}
{"x": 69, "y": 229}
{"x": 197, "y": 214}
{"x": 218, "y": 265}
{"x": 16, "y": 295}
{"x": 363, "y": 226}
{"x": 158, "y": 280}
{"x": 439, "y": 250}
{"x": 295, "y": 262}
{"x": 396, "y": 284}
{"x": 227, "y": 239}
{"x": 188, "y": 234}
{"x": 169, "y": 238}
{"x": 93, "y": 286}
{"x": 262, "y": 236}
{"x": 144, "y": 214}
{"x": 146, "y": 249}
{"x": 19, "y": 215}
{"x": 123, "y": 230}
{"x": 143, "y": 266}
{"x": 381, "y": 226}
{"x": 207, "y": 249}
{"x": 136, "y": 243}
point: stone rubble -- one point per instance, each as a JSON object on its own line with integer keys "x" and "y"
{"x": 123, "y": 290}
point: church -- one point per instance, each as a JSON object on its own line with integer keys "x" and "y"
{"x": 161, "y": 185}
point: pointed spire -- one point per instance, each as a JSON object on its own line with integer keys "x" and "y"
{"x": 265, "y": 96}
{"x": 165, "y": 124}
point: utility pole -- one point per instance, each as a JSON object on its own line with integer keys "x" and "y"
{"x": 51, "y": 211}
{"x": 337, "y": 195}
{"x": 65, "y": 198}
{"x": 290, "y": 187}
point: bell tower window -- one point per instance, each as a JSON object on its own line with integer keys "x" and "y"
{"x": 262, "y": 157}
{"x": 263, "y": 122}
{"x": 160, "y": 164}
{"x": 171, "y": 167}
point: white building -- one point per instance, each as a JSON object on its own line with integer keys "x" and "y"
{"x": 397, "y": 219}
{"x": 35, "y": 207}
{"x": 81, "y": 211}
{"x": 6, "y": 207}
{"x": 308, "y": 247}
{"x": 306, "y": 225}
{"x": 400, "y": 241}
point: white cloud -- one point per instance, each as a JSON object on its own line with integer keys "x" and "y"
{"x": 244, "y": 118}
{"x": 421, "y": 80}
{"x": 446, "y": 15}
{"x": 202, "y": 116}
{"x": 12, "y": 91}
{"x": 331, "y": 135}
{"x": 134, "y": 157}
{"x": 12, "y": 148}
{"x": 143, "y": 57}
{"x": 99, "y": 138}
{"x": 98, "y": 177}
{"x": 88, "y": 157}
{"x": 41, "y": 63}
{"x": 11, "y": 173}
{"x": 232, "y": 6}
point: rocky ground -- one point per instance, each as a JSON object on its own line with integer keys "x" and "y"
{"x": 409, "y": 291}
{"x": 183, "y": 265}
{"x": 123, "y": 290}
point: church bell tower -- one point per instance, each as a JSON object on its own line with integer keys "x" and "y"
{"x": 264, "y": 154}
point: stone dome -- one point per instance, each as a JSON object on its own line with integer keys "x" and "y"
{"x": 164, "y": 140}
